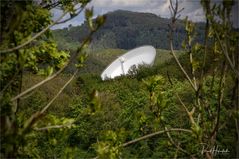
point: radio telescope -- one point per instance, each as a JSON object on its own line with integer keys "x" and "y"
{"x": 121, "y": 66}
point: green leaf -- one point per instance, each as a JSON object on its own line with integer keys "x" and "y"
{"x": 88, "y": 17}
{"x": 49, "y": 71}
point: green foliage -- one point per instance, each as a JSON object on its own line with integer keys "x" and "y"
{"x": 109, "y": 148}
{"x": 126, "y": 111}
{"x": 27, "y": 46}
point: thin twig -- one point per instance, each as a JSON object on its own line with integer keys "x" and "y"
{"x": 37, "y": 115}
{"x": 173, "y": 21}
{"x": 54, "y": 75}
{"x": 192, "y": 68}
{"x": 207, "y": 10}
{"x": 39, "y": 84}
{"x": 54, "y": 98}
{"x": 190, "y": 114}
{"x": 220, "y": 99}
{"x": 152, "y": 135}
{"x": 174, "y": 143}
{"x": 181, "y": 67}
{"x": 50, "y": 6}
{"x": 53, "y": 127}
{"x": 225, "y": 52}
{"x": 76, "y": 14}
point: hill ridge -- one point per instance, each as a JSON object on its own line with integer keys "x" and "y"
{"x": 126, "y": 30}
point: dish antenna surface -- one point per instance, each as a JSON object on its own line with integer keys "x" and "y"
{"x": 121, "y": 66}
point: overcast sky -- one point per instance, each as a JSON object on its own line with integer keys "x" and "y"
{"x": 192, "y": 9}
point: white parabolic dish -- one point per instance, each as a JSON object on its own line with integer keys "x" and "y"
{"x": 121, "y": 66}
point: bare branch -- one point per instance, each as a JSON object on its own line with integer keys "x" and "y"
{"x": 201, "y": 79}
{"x": 225, "y": 52}
{"x": 176, "y": 6}
{"x": 192, "y": 68}
{"x": 154, "y": 134}
{"x": 171, "y": 11}
{"x": 77, "y": 13}
{"x": 181, "y": 67}
{"x": 180, "y": 10}
{"x": 37, "y": 115}
{"x": 53, "y": 99}
{"x": 54, "y": 127}
{"x": 220, "y": 99}
{"x": 190, "y": 113}
{"x": 172, "y": 6}
{"x": 174, "y": 143}
{"x": 175, "y": 12}
{"x": 39, "y": 84}
{"x": 51, "y": 5}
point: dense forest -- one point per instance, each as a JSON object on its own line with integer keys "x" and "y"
{"x": 53, "y": 103}
{"x": 127, "y": 30}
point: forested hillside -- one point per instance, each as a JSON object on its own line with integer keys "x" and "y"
{"x": 107, "y": 114}
{"x": 127, "y": 30}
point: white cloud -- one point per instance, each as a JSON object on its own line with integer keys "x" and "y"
{"x": 165, "y": 5}
{"x": 115, "y": 3}
{"x": 196, "y": 16}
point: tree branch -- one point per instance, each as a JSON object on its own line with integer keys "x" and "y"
{"x": 51, "y": 5}
{"x": 37, "y": 115}
{"x": 153, "y": 134}
{"x": 54, "y": 127}
{"x": 41, "y": 32}
{"x": 60, "y": 91}
{"x": 175, "y": 12}
{"x": 204, "y": 55}
{"x": 190, "y": 113}
{"x": 76, "y": 14}
{"x": 33, "y": 38}
{"x": 39, "y": 84}
{"x": 174, "y": 143}
{"x": 56, "y": 74}
{"x": 220, "y": 99}
{"x": 225, "y": 52}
